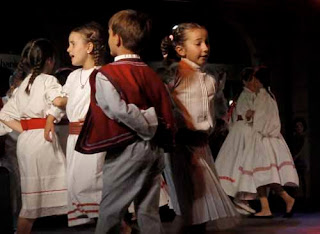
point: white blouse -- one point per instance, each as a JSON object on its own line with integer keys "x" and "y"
{"x": 194, "y": 95}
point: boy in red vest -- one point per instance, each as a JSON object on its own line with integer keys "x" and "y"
{"x": 130, "y": 117}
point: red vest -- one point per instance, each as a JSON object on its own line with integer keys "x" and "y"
{"x": 138, "y": 84}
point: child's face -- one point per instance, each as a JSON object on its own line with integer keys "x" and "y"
{"x": 196, "y": 47}
{"x": 78, "y": 49}
{"x": 299, "y": 128}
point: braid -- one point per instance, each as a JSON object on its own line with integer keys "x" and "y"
{"x": 18, "y": 75}
{"x": 39, "y": 52}
{"x": 36, "y": 71}
{"x": 98, "y": 52}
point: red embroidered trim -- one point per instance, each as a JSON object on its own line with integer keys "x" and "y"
{"x": 46, "y": 191}
{"x": 227, "y": 178}
{"x": 257, "y": 170}
{"x": 266, "y": 168}
{"x": 79, "y": 206}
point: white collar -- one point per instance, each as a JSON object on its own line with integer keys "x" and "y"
{"x": 124, "y": 56}
{"x": 192, "y": 64}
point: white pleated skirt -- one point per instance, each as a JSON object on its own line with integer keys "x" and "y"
{"x": 197, "y": 183}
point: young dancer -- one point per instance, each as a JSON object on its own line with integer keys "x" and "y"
{"x": 84, "y": 172}
{"x": 200, "y": 195}
{"x": 41, "y": 163}
{"x": 272, "y": 165}
{"x": 231, "y": 156}
{"x": 134, "y": 139}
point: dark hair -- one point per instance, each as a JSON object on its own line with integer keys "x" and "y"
{"x": 62, "y": 74}
{"x": 133, "y": 27}
{"x": 168, "y": 51}
{"x": 263, "y": 74}
{"x": 22, "y": 70}
{"x": 246, "y": 74}
{"x": 40, "y": 51}
{"x": 93, "y": 32}
{"x": 178, "y": 37}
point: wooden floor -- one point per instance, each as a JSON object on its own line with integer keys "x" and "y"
{"x": 301, "y": 223}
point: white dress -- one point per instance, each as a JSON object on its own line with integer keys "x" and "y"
{"x": 84, "y": 171}
{"x": 271, "y": 160}
{"x": 231, "y": 156}
{"x": 193, "y": 94}
{"x": 41, "y": 163}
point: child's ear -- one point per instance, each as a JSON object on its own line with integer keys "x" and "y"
{"x": 90, "y": 47}
{"x": 181, "y": 51}
{"x": 118, "y": 40}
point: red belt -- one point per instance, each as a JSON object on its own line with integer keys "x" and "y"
{"x": 28, "y": 124}
{"x": 75, "y": 128}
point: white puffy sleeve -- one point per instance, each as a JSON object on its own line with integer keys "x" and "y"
{"x": 4, "y": 129}
{"x": 10, "y": 111}
{"x": 53, "y": 89}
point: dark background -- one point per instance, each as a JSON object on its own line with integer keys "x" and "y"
{"x": 283, "y": 35}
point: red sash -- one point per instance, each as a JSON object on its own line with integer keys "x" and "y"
{"x": 75, "y": 128}
{"x": 36, "y": 123}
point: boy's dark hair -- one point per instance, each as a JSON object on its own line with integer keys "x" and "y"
{"x": 133, "y": 27}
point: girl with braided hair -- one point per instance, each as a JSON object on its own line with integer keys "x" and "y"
{"x": 86, "y": 50}
{"x": 41, "y": 163}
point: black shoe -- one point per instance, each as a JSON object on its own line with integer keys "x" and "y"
{"x": 289, "y": 214}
